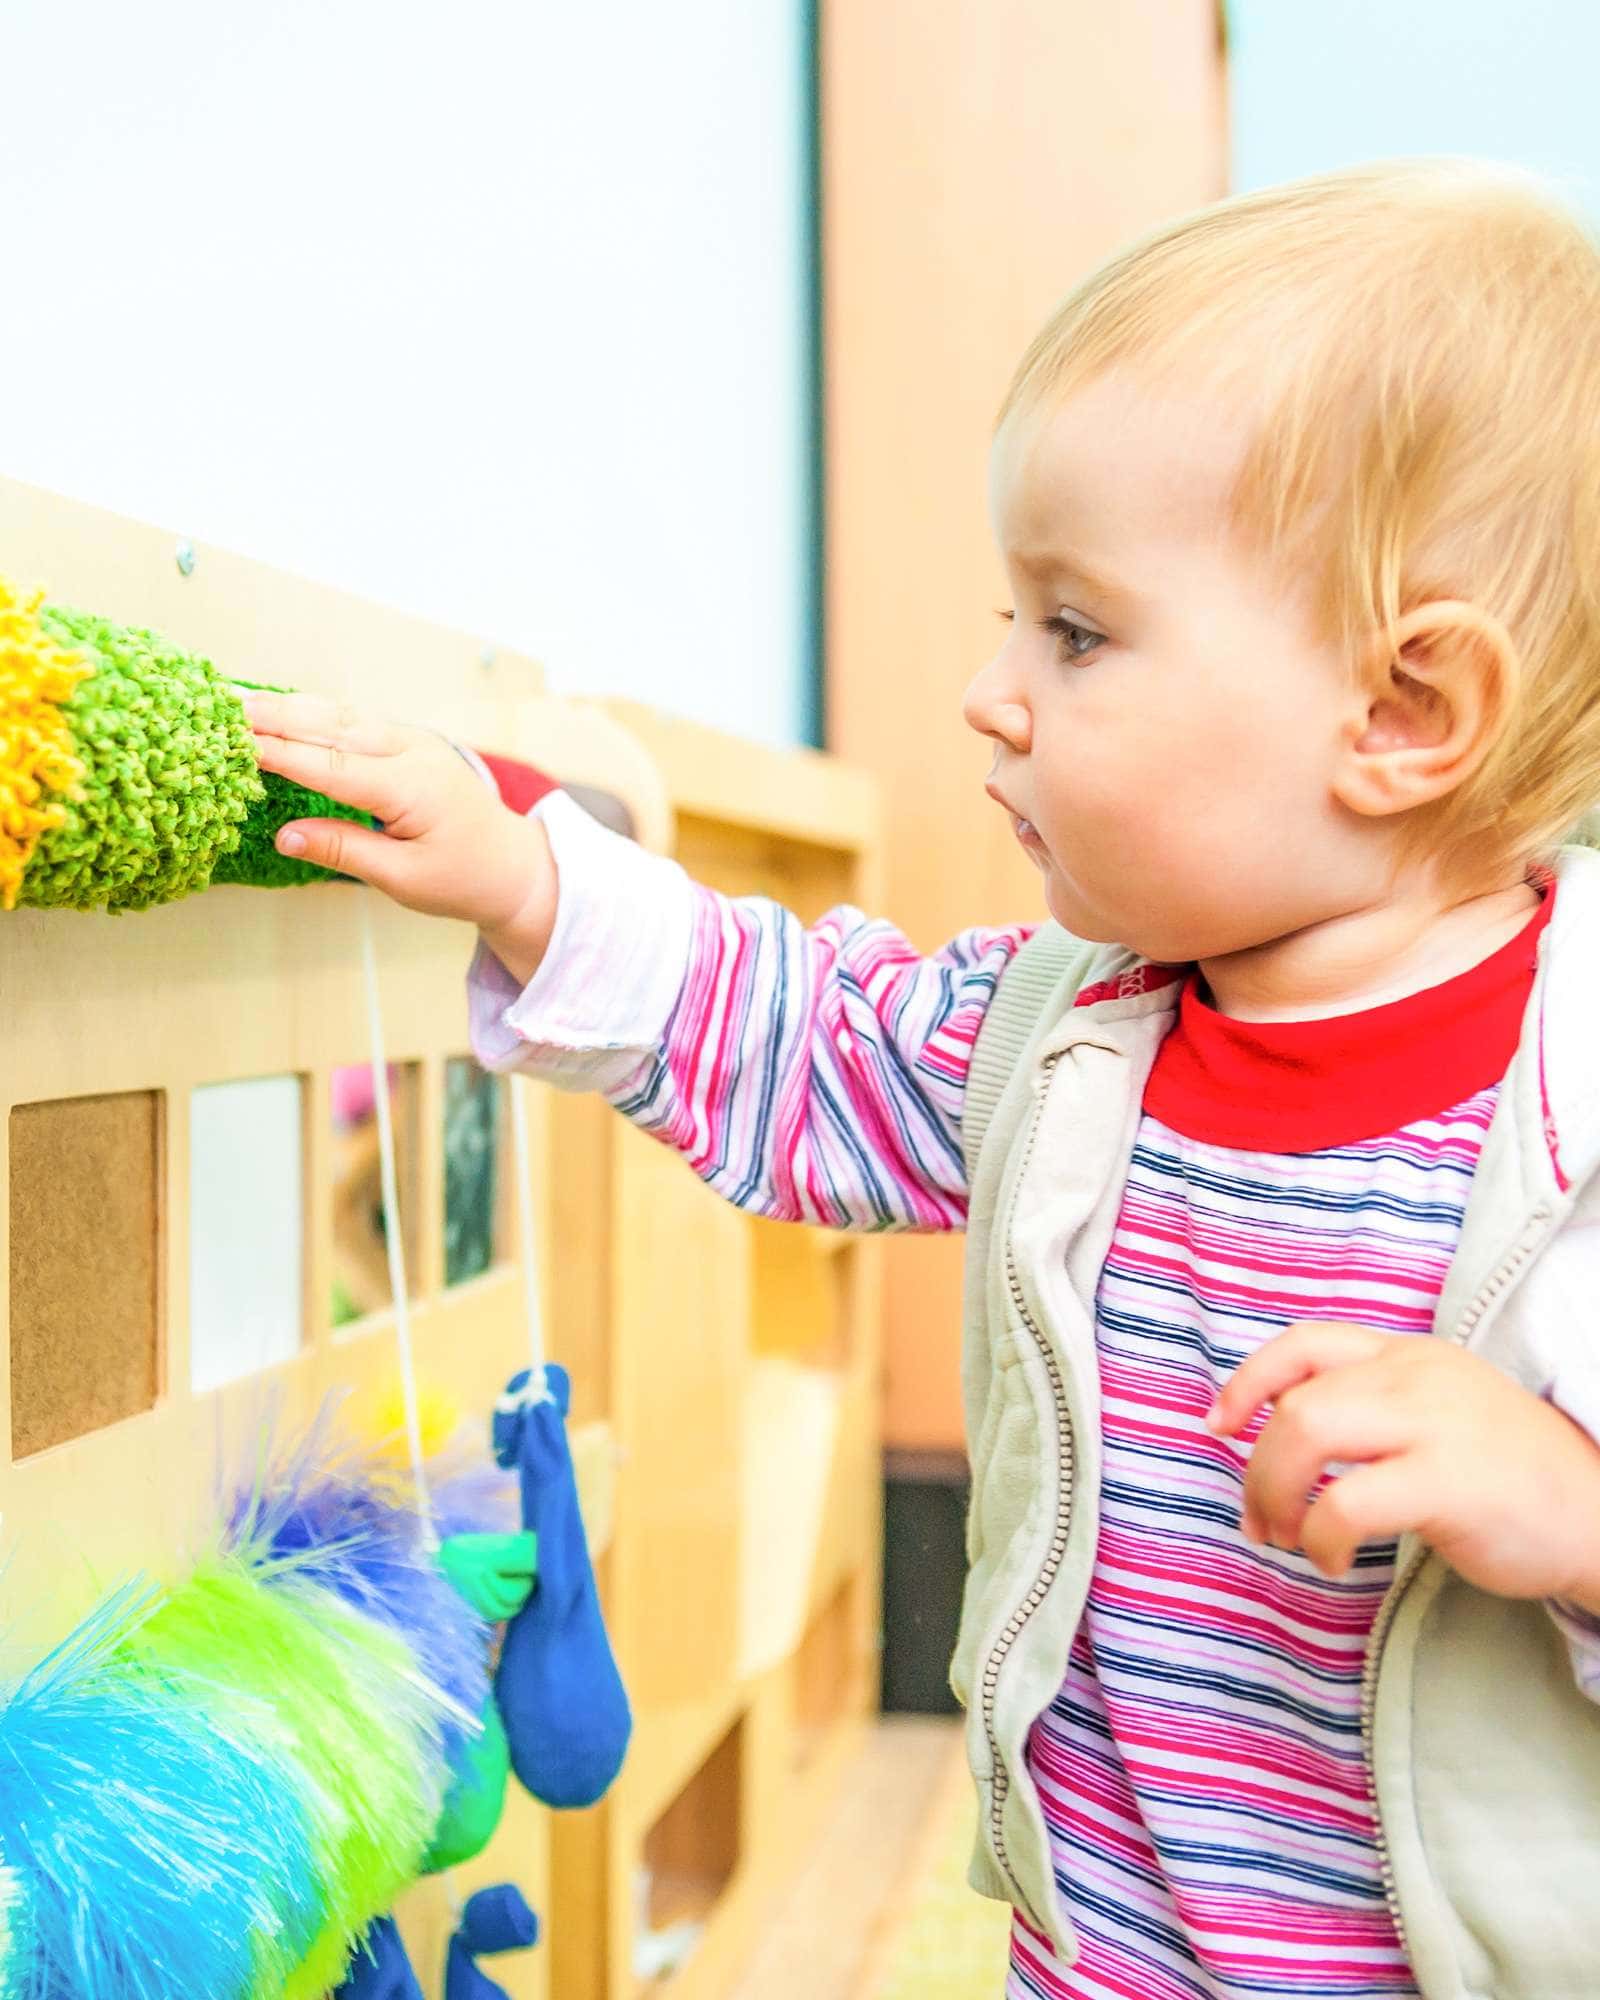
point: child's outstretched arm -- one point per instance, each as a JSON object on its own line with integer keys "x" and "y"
{"x": 807, "y": 1074}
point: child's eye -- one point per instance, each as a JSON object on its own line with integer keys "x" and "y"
{"x": 1077, "y": 641}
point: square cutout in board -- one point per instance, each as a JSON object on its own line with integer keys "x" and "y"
{"x": 476, "y": 1177}
{"x": 246, "y": 1228}
{"x": 360, "y": 1244}
{"x": 87, "y": 1234}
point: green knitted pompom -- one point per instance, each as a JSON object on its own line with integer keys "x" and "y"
{"x": 169, "y": 774}
{"x": 256, "y": 862}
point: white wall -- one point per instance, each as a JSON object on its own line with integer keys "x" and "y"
{"x": 1322, "y": 83}
{"x": 493, "y": 310}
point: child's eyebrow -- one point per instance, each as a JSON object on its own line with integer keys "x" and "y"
{"x": 1061, "y": 567}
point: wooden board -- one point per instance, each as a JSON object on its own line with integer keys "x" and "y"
{"x": 263, "y": 624}
{"x": 662, "y": 1301}
{"x": 112, "y": 1024}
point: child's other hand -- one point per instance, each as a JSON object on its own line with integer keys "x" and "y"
{"x": 448, "y": 846}
{"x": 1437, "y": 1442}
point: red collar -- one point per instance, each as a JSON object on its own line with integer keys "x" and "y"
{"x": 1303, "y": 1086}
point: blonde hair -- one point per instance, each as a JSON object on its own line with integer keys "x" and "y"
{"x": 1418, "y": 347}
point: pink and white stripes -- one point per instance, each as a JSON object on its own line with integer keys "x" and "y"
{"x": 817, "y": 1075}
{"x": 1202, "y": 1771}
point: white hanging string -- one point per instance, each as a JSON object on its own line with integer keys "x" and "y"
{"x": 389, "y": 1182}
{"x": 528, "y": 1244}
{"x": 393, "y": 1241}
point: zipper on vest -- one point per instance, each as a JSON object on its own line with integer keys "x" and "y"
{"x": 1015, "y": 1625}
{"x": 1533, "y": 1230}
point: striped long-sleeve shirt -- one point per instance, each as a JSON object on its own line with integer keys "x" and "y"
{"x": 1201, "y": 1772}
{"x": 807, "y": 1075}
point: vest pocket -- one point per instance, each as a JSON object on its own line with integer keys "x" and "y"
{"x": 1005, "y": 1488}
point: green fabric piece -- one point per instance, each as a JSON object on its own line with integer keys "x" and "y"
{"x": 256, "y": 862}
{"x": 476, "y": 1801}
{"x": 169, "y": 773}
{"x": 494, "y": 1573}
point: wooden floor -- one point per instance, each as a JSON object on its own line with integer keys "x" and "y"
{"x": 821, "y": 1942}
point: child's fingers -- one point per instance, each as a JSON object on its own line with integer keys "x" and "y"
{"x": 1370, "y": 1503}
{"x": 1305, "y": 1348}
{"x": 348, "y": 849}
{"x": 365, "y": 782}
{"x": 1340, "y": 1418}
{"x": 309, "y": 719}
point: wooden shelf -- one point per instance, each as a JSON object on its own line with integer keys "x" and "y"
{"x": 690, "y": 1856}
{"x": 747, "y": 1560}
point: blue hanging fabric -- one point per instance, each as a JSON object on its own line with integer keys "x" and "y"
{"x": 495, "y": 1920}
{"x": 560, "y": 1694}
{"x": 380, "y": 1969}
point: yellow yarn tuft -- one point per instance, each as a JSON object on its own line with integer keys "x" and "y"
{"x": 38, "y": 676}
{"x": 380, "y": 1419}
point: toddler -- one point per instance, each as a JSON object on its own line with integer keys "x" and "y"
{"x": 1278, "y": 1148}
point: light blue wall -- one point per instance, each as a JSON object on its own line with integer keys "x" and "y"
{"x": 1322, "y": 83}
{"x": 496, "y": 310}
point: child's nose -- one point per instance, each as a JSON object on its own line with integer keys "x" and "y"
{"x": 994, "y": 708}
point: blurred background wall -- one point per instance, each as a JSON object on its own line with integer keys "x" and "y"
{"x": 1319, "y": 83}
{"x": 498, "y": 311}
{"x": 979, "y": 156}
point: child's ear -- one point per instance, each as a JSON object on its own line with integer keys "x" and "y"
{"x": 1435, "y": 702}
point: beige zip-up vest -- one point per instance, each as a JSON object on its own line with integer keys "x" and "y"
{"x": 1484, "y": 1752}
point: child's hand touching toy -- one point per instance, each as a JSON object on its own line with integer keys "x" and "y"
{"x": 447, "y": 847}
{"x": 1438, "y": 1442}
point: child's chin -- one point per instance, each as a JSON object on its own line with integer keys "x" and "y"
{"x": 1072, "y": 913}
